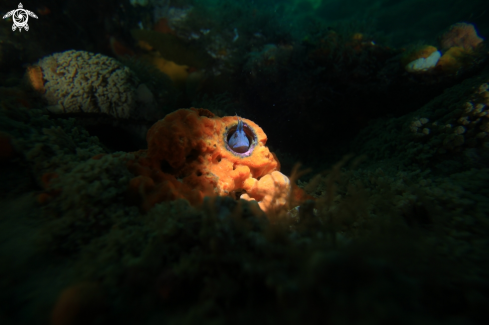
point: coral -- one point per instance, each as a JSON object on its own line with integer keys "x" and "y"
{"x": 461, "y": 35}
{"x": 83, "y": 82}
{"x": 188, "y": 157}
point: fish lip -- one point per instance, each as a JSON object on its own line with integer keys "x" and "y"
{"x": 250, "y": 134}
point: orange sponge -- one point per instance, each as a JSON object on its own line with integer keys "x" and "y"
{"x": 453, "y": 59}
{"x": 272, "y": 191}
{"x": 461, "y": 35}
{"x": 189, "y": 157}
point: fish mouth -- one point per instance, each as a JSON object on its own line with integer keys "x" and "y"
{"x": 250, "y": 134}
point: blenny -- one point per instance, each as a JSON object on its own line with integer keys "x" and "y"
{"x": 239, "y": 142}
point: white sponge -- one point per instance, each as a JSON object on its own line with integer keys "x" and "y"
{"x": 424, "y": 64}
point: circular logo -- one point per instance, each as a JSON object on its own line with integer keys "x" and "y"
{"x": 20, "y": 18}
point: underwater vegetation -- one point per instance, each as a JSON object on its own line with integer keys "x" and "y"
{"x": 401, "y": 237}
{"x": 150, "y": 150}
{"x": 404, "y": 236}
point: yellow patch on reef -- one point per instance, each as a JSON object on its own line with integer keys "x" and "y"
{"x": 145, "y": 46}
{"x": 177, "y": 73}
{"x": 453, "y": 59}
{"x": 173, "y": 48}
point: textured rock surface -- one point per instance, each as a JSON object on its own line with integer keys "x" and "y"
{"x": 83, "y": 82}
